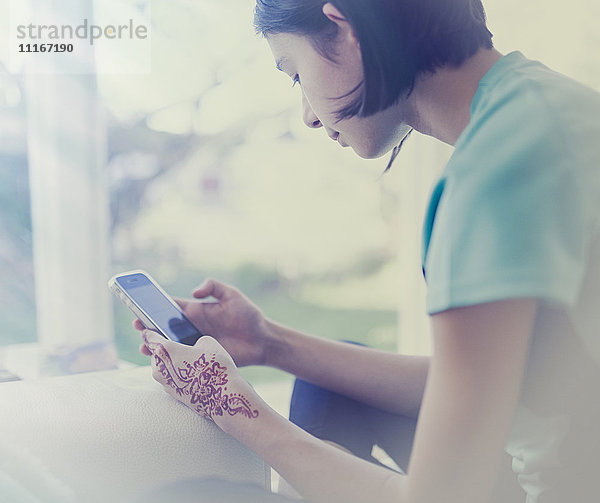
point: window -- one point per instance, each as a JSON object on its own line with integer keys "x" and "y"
{"x": 203, "y": 167}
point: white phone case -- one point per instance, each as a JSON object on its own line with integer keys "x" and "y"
{"x": 143, "y": 316}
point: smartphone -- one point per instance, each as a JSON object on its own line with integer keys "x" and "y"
{"x": 154, "y": 308}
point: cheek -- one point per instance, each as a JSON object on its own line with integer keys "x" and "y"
{"x": 325, "y": 86}
{"x": 322, "y": 106}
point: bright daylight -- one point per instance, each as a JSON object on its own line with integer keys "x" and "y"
{"x": 204, "y": 298}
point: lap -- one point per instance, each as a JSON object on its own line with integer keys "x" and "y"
{"x": 358, "y": 427}
{"x": 354, "y": 425}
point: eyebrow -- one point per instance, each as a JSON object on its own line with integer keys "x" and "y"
{"x": 279, "y": 64}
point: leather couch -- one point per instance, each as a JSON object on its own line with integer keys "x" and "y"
{"x": 108, "y": 437}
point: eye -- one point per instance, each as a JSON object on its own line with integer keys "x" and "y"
{"x": 295, "y": 80}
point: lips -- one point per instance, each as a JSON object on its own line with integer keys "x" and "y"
{"x": 341, "y": 142}
{"x": 336, "y": 137}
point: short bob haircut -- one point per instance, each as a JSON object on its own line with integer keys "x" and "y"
{"x": 399, "y": 40}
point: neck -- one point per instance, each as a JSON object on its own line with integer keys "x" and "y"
{"x": 441, "y": 101}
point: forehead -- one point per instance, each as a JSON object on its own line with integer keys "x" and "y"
{"x": 287, "y": 47}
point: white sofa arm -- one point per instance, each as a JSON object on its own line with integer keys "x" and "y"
{"x": 110, "y": 436}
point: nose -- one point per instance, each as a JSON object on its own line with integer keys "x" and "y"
{"x": 308, "y": 116}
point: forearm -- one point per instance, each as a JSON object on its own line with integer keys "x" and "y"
{"x": 385, "y": 380}
{"x": 318, "y": 471}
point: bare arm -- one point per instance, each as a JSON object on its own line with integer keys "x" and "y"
{"x": 385, "y": 380}
{"x": 472, "y": 391}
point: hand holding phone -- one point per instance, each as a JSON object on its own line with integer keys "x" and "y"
{"x": 153, "y": 306}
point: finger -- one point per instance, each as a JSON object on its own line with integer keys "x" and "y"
{"x": 138, "y": 325}
{"x": 211, "y": 288}
{"x": 144, "y": 350}
{"x": 147, "y": 343}
{"x": 182, "y": 303}
{"x": 152, "y": 336}
{"x": 196, "y": 312}
{"x": 156, "y": 374}
{"x": 154, "y": 341}
{"x": 195, "y": 306}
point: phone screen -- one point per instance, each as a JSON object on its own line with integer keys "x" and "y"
{"x": 166, "y": 316}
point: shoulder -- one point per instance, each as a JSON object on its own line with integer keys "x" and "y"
{"x": 526, "y": 115}
{"x": 515, "y": 206}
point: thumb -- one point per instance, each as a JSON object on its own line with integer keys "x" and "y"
{"x": 182, "y": 303}
{"x": 211, "y": 288}
{"x": 208, "y": 343}
{"x": 153, "y": 340}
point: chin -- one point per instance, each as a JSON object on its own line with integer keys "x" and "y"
{"x": 370, "y": 151}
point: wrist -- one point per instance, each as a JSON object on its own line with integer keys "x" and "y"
{"x": 244, "y": 425}
{"x": 255, "y": 433}
{"x": 276, "y": 345}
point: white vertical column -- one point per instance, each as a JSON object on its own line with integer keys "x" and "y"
{"x": 70, "y": 217}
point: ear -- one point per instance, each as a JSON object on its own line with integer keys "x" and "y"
{"x": 333, "y": 14}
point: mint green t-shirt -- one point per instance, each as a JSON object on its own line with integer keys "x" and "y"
{"x": 516, "y": 213}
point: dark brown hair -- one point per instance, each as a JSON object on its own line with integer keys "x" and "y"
{"x": 399, "y": 40}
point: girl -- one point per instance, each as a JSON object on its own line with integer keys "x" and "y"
{"x": 511, "y": 258}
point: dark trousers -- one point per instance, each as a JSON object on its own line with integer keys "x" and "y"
{"x": 351, "y": 424}
{"x": 358, "y": 427}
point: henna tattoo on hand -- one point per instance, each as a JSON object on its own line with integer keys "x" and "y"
{"x": 204, "y": 382}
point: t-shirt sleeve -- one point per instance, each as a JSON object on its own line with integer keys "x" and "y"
{"x": 509, "y": 223}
